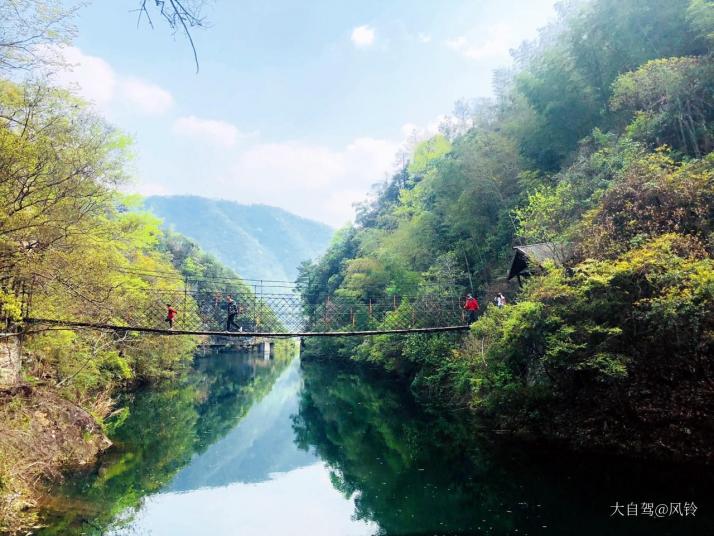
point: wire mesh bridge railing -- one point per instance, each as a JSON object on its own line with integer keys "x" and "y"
{"x": 262, "y": 308}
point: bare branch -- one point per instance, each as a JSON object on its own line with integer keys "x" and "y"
{"x": 28, "y": 28}
{"x": 180, "y": 15}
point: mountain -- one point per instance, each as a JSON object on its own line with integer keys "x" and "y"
{"x": 261, "y": 444}
{"x": 257, "y": 241}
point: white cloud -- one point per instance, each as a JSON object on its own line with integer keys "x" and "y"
{"x": 297, "y": 166}
{"x": 309, "y": 179}
{"x": 288, "y": 166}
{"x": 94, "y": 79}
{"x": 363, "y": 36}
{"x": 312, "y": 180}
{"x": 148, "y": 97}
{"x": 152, "y": 188}
{"x": 371, "y": 154}
{"x": 90, "y": 77}
{"x": 499, "y": 39}
{"x": 424, "y": 37}
{"x": 338, "y": 208}
{"x": 212, "y": 130}
{"x": 412, "y": 132}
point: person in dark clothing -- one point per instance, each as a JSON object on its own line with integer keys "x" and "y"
{"x": 170, "y": 315}
{"x": 471, "y": 307}
{"x": 232, "y": 309}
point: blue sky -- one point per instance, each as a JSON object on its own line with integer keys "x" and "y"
{"x": 301, "y": 105}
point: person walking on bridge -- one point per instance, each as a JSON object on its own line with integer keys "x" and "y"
{"x": 232, "y": 309}
{"x": 170, "y": 315}
{"x": 471, "y": 307}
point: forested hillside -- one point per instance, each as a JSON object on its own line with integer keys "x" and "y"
{"x": 257, "y": 241}
{"x": 71, "y": 237}
{"x": 598, "y": 141}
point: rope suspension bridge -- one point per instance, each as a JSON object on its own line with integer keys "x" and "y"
{"x": 226, "y": 307}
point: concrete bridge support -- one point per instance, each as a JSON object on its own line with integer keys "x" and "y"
{"x": 10, "y": 359}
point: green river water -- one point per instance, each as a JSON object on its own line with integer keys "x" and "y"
{"x": 252, "y": 446}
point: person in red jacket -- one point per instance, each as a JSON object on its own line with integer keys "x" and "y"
{"x": 471, "y": 307}
{"x": 170, "y": 315}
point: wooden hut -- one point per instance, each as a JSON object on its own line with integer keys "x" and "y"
{"x": 528, "y": 260}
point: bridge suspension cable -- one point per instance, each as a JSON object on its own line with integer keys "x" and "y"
{"x": 262, "y": 307}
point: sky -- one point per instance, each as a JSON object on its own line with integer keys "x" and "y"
{"x": 300, "y": 105}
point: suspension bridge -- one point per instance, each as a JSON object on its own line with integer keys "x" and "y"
{"x": 227, "y": 307}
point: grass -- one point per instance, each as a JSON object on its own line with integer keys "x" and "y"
{"x": 41, "y": 435}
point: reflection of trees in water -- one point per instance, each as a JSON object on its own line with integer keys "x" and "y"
{"x": 155, "y": 435}
{"x": 407, "y": 474}
{"x": 416, "y": 474}
{"x": 232, "y": 387}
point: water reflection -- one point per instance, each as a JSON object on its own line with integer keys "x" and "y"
{"x": 248, "y": 446}
{"x": 156, "y": 433}
{"x": 411, "y": 473}
{"x": 259, "y": 445}
{"x": 252, "y": 481}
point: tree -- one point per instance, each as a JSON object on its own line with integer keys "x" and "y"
{"x": 32, "y": 30}
{"x": 27, "y": 27}
{"x": 671, "y": 101}
{"x": 180, "y": 15}
{"x": 653, "y": 196}
{"x": 609, "y": 37}
{"x": 700, "y": 15}
{"x": 58, "y": 165}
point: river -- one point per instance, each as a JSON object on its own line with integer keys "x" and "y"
{"x": 251, "y": 446}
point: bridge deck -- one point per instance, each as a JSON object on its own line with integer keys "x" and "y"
{"x": 163, "y": 331}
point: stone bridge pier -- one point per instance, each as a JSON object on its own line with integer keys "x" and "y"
{"x": 10, "y": 359}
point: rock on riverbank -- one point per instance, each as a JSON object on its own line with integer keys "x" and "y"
{"x": 41, "y": 435}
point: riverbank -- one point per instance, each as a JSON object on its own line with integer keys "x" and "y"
{"x": 576, "y": 194}
{"x": 42, "y": 435}
{"x": 50, "y": 428}
{"x": 658, "y": 411}
{"x": 340, "y": 449}
{"x": 670, "y": 425}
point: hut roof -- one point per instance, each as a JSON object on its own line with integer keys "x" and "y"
{"x": 537, "y": 254}
{"x": 545, "y": 251}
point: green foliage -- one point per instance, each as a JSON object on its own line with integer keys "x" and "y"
{"x": 212, "y": 281}
{"x": 364, "y": 278}
{"x": 601, "y": 138}
{"x": 58, "y": 164}
{"x": 185, "y": 417}
{"x": 700, "y": 15}
{"x": 671, "y": 103}
{"x": 567, "y": 79}
{"x": 426, "y": 153}
{"x": 565, "y": 104}
{"x": 610, "y": 320}
{"x": 66, "y": 231}
{"x": 654, "y": 195}
{"x": 548, "y": 213}
{"x": 10, "y": 306}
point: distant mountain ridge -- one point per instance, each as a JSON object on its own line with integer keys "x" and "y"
{"x": 257, "y": 241}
